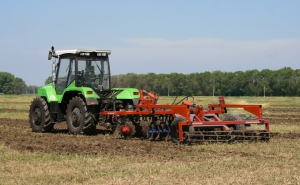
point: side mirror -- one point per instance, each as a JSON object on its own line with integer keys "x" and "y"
{"x": 50, "y": 55}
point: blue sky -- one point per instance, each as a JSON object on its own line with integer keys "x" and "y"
{"x": 151, "y": 36}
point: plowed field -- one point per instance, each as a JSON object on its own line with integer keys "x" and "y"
{"x": 61, "y": 158}
{"x": 17, "y": 135}
{"x": 283, "y": 115}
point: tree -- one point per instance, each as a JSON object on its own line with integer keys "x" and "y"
{"x": 48, "y": 80}
{"x": 6, "y": 82}
{"x": 31, "y": 89}
{"x": 165, "y": 84}
{"x": 282, "y": 82}
{"x": 177, "y": 84}
{"x": 19, "y": 86}
{"x": 266, "y": 76}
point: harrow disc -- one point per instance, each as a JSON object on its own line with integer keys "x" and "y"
{"x": 127, "y": 129}
{"x": 144, "y": 128}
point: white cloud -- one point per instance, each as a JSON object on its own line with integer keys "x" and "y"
{"x": 197, "y": 55}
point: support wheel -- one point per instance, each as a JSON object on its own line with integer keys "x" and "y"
{"x": 79, "y": 119}
{"x": 39, "y": 116}
{"x": 235, "y": 127}
{"x": 174, "y": 129}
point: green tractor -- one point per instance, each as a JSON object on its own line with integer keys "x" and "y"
{"x": 81, "y": 89}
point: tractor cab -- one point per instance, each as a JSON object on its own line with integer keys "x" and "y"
{"x": 81, "y": 68}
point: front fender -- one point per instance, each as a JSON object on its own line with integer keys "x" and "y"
{"x": 48, "y": 92}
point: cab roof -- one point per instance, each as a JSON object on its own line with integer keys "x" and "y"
{"x": 77, "y": 51}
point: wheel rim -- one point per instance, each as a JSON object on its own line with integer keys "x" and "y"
{"x": 37, "y": 116}
{"x": 76, "y": 117}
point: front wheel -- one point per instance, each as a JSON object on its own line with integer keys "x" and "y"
{"x": 39, "y": 116}
{"x": 79, "y": 119}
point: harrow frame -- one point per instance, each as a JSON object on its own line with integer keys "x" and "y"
{"x": 194, "y": 115}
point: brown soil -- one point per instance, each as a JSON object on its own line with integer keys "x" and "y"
{"x": 282, "y": 109}
{"x": 14, "y": 110}
{"x": 289, "y": 121}
{"x": 16, "y": 134}
{"x": 19, "y": 103}
{"x": 285, "y": 135}
{"x": 282, "y": 115}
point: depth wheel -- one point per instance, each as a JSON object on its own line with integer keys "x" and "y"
{"x": 79, "y": 119}
{"x": 39, "y": 116}
{"x": 235, "y": 127}
{"x": 174, "y": 129}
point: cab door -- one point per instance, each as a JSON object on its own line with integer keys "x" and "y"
{"x": 66, "y": 74}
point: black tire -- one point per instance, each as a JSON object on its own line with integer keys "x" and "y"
{"x": 235, "y": 127}
{"x": 39, "y": 116}
{"x": 91, "y": 129}
{"x": 79, "y": 119}
{"x": 174, "y": 129}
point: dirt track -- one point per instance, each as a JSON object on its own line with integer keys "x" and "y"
{"x": 17, "y": 135}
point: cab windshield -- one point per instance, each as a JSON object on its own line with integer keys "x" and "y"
{"x": 94, "y": 73}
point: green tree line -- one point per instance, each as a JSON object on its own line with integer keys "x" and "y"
{"x": 282, "y": 82}
{"x": 9, "y": 84}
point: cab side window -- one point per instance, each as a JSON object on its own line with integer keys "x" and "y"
{"x": 63, "y": 80}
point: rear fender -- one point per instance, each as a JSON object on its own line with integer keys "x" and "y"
{"x": 86, "y": 93}
{"x": 129, "y": 94}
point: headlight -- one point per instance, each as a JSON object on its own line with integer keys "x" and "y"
{"x": 85, "y": 54}
{"x": 101, "y": 54}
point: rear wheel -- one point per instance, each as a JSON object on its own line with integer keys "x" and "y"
{"x": 79, "y": 119}
{"x": 39, "y": 116}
